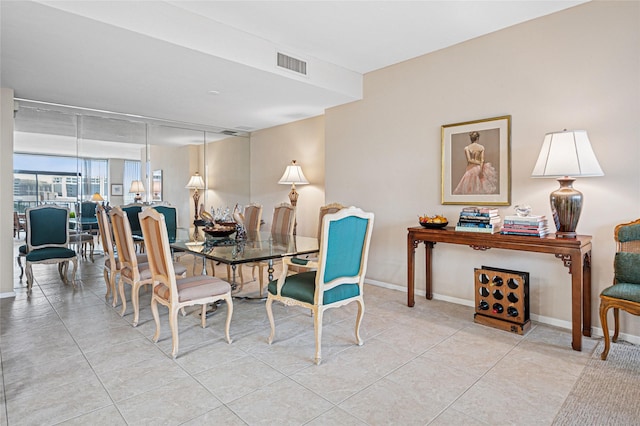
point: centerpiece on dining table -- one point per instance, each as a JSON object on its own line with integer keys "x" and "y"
{"x": 217, "y": 229}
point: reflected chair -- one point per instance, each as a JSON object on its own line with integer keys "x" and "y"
{"x": 19, "y": 224}
{"x": 132, "y": 211}
{"x": 48, "y": 241}
{"x": 111, "y": 262}
{"x": 174, "y": 293}
{"x": 338, "y": 278}
{"x": 131, "y": 272}
{"x": 282, "y": 223}
{"x": 625, "y": 292}
{"x": 252, "y": 220}
{"x": 297, "y": 262}
{"x": 86, "y": 217}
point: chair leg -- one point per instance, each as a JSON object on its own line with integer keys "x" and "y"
{"x": 173, "y": 324}
{"x": 271, "y": 321}
{"x": 21, "y": 268}
{"x": 605, "y": 330}
{"x": 359, "y": 321}
{"x": 229, "y": 301}
{"x": 112, "y": 284}
{"x": 75, "y": 270}
{"x": 203, "y": 315}
{"x": 616, "y": 324}
{"x": 317, "y": 326}
{"x": 124, "y": 299}
{"x": 156, "y": 318}
{"x": 135, "y": 301}
{"x": 107, "y": 279}
{"x": 29, "y": 277}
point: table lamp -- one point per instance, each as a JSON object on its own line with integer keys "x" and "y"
{"x": 97, "y": 197}
{"x": 196, "y": 183}
{"x": 292, "y": 175}
{"x": 136, "y": 188}
{"x": 566, "y": 155}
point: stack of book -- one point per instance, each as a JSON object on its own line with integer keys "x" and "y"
{"x": 535, "y": 226}
{"x": 479, "y": 219}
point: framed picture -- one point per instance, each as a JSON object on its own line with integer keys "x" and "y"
{"x": 476, "y": 158}
{"x": 116, "y": 189}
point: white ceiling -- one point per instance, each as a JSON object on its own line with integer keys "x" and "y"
{"x": 162, "y": 58}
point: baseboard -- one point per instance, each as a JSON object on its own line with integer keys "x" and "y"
{"x": 7, "y": 295}
{"x": 596, "y": 332}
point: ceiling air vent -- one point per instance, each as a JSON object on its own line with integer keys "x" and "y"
{"x": 229, "y": 132}
{"x": 293, "y": 64}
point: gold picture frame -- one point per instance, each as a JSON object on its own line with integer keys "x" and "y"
{"x": 476, "y": 162}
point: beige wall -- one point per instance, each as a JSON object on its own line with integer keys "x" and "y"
{"x": 228, "y": 172}
{"x": 174, "y": 163}
{"x": 271, "y": 151}
{"x": 576, "y": 69}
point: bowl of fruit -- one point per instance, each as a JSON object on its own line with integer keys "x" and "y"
{"x": 437, "y": 221}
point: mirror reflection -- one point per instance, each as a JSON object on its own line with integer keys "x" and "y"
{"x": 66, "y": 155}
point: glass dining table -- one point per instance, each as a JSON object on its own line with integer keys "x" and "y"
{"x": 256, "y": 247}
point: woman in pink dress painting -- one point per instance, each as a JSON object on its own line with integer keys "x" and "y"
{"x": 479, "y": 177}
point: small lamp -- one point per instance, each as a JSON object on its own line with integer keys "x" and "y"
{"x": 136, "y": 188}
{"x": 292, "y": 175}
{"x": 564, "y": 154}
{"x": 196, "y": 182}
{"x": 157, "y": 189}
{"x": 97, "y": 197}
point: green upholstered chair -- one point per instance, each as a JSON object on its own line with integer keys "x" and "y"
{"x": 87, "y": 220}
{"x": 176, "y": 293}
{"x": 132, "y": 211}
{"x": 48, "y": 241}
{"x": 625, "y": 292}
{"x": 339, "y": 275}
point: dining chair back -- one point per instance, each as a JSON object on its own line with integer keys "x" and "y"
{"x": 625, "y": 292}
{"x": 174, "y": 293}
{"x": 131, "y": 271}
{"x": 48, "y": 241}
{"x": 284, "y": 219}
{"x": 338, "y": 278}
{"x": 252, "y": 217}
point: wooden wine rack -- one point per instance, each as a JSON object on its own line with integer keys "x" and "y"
{"x": 502, "y": 299}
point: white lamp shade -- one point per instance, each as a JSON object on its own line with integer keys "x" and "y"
{"x": 293, "y": 175}
{"x": 567, "y": 153}
{"x": 196, "y": 182}
{"x": 136, "y": 187}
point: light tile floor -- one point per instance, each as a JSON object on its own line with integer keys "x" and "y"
{"x": 69, "y": 358}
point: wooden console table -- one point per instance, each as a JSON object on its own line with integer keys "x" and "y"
{"x": 575, "y": 254}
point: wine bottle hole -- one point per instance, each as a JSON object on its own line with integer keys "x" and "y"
{"x": 497, "y": 281}
{"x": 497, "y": 294}
{"x": 513, "y": 284}
{"x": 484, "y": 279}
{"x": 484, "y": 292}
{"x": 512, "y": 297}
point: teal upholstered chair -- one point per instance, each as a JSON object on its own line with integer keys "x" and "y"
{"x": 339, "y": 275}
{"x": 132, "y": 211}
{"x": 48, "y": 241}
{"x": 170, "y": 219}
{"x": 625, "y": 292}
{"x": 87, "y": 221}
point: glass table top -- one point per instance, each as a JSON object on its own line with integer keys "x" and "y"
{"x": 256, "y": 247}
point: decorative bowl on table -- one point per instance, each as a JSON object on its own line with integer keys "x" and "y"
{"x": 220, "y": 231}
{"x": 434, "y": 222}
{"x": 434, "y": 225}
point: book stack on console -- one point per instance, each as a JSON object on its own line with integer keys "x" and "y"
{"x": 479, "y": 219}
{"x": 535, "y": 226}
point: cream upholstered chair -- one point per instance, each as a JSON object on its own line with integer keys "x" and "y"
{"x": 625, "y": 292}
{"x": 111, "y": 262}
{"x": 131, "y": 272}
{"x": 282, "y": 223}
{"x": 252, "y": 219}
{"x": 339, "y": 275}
{"x": 48, "y": 241}
{"x": 174, "y": 293}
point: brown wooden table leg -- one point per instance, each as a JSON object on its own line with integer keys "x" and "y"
{"x": 575, "y": 269}
{"x": 586, "y": 294}
{"x": 411, "y": 270}
{"x": 428, "y": 247}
